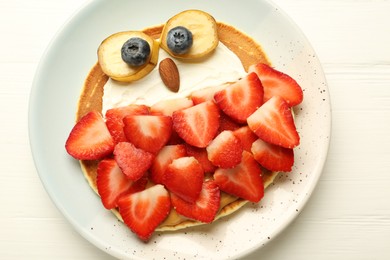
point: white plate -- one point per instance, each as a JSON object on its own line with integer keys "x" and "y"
{"x": 55, "y": 93}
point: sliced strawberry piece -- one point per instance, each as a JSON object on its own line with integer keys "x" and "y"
{"x": 132, "y": 161}
{"x": 240, "y": 99}
{"x": 200, "y": 155}
{"x": 148, "y": 132}
{"x": 227, "y": 123}
{"x": 168, "y": 106}
{"x": 144, "y": 211}
{"x": 165, "y": 157}
{"x": 114, "y": 119}
{"x": 243, "y": 181}
{"x": 274, "y": 123}
{"x": 197, "y": 125}
{"x": 205, "y": 208}
{"x": 246, "y": 136}
{"x": 184, "y": 177}
{"x": 273, "y": 157}
{"x": 206, "y": 94}
{"x": 225, "y": 150}
{"x": 112, "y": 183}
{"x": 90, "y": 138}
{"x": 276, "y": 83}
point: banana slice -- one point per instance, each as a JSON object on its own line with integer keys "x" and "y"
{"x": 204, "y": 33}
{"x": 112, "y": 64}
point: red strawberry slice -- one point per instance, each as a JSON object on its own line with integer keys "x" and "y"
{"x": 90, "y": 138}
{"x": 144, "y": 211}
{"x": 114, "y": 119}
{"x": 273, "y": 157}
{"x": 168, "y": 106}
{"x": 184, "y": 177}
{"x": 274, "y": 123}
{"x": 200, "y": 155}
{"x": 132, "y": 161}
{"x": 112, "y": 183}
{"x": 165, "y": 157}
{"x": 148, "y": 132}
{"x": 197, "y": 125}
{"x": 276, "y": 83}
{"x": 206, "y": 94}
{"x": 240, "y": 99}
{"x": 205, "y": 208}
{"x": 246, "y": 136}
{"x": 225, "y": 150}
{"x": 243, "y": 181}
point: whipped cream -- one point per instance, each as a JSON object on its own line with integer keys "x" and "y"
{"x": 221, "y": 67}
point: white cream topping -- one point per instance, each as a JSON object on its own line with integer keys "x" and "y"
{"x": 221, "y": 67}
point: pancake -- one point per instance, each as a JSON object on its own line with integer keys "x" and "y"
{"x": 246, "y": 49}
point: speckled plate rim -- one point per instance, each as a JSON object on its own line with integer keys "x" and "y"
{"x": 53, "y": 101}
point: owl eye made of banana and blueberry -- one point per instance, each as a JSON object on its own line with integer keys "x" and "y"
{"x": 191, "y": 34}
{"x": 128, "y": 56}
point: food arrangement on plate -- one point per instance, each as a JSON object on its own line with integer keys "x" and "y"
{"x": 183, "y": 123}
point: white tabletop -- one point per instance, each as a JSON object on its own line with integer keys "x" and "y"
{"x": 348, "y": 215}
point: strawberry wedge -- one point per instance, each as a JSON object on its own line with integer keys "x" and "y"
{"x": 225, "y": 150}
{"x": 144, "y": 211}
{"x": 243, "y": 181}
{"x": 132, "y": 161}
{"x": 240, "y": 99}
{"x": 112, "y": 183}
{"x": 274, "y": 123}
{"x": 273, "y": 157}
{"x": 276, "y": 83}
{"x": 90, "y": 138}
{"x": 205, "y": 208}
{"x": 184, "y": 177}
{"x": 148, "y": 132}
{"x": 197, "y": 125}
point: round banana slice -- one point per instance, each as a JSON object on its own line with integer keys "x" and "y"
{"x": 112, "y": 64}
{"x": 204, "y": 33}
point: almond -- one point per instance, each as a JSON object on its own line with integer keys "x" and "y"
{"x": 169, "y": 74}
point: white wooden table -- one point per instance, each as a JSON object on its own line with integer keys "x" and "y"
{"x": 348, "y": 216}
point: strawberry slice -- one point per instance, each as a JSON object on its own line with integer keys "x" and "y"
{"x": 168, "y": 106}
{"x": 243, "y": 181}
{"x": 112, "y": 183}
{"x": 114, "y": 119}
{"x": 274, "y": 123}
{"x": 225, "y": 151}
{"x": 144, "y": 211}
{"x": 246, "y": 136}
{"x": 132, "y": 161}
{"x": 197, "y": 125}
{"x": 206, "y": 94}
{"x": 90, "y": 139}
{"x": 148, "y": 132}
{"x": 200, "y": 155}
{"x": 273, "y": 157}
{"x": 277, "y": 83}
{"x": 240, "y": 99}
{"x": 165, "y": 157}
{"x": 184, "y": 177}
{"x": 205, "y": 208}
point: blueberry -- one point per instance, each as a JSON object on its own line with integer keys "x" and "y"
{"x": 179, "y": 40}
{"x": 135, "y": 51}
